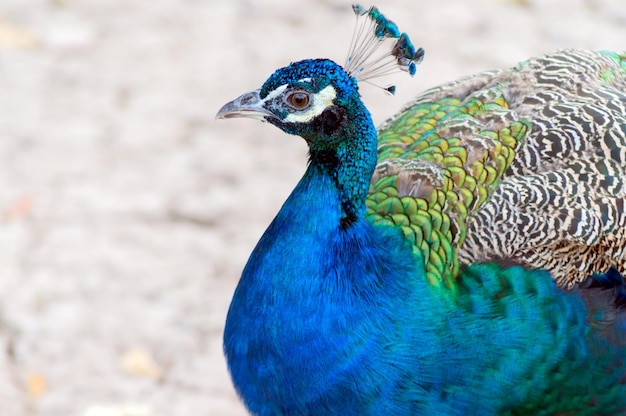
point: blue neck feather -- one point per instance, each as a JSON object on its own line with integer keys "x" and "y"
{"x": 349, "y": 161}
{"x": 302, "y": 313}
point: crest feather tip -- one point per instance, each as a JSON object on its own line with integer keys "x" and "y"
{"x": 372, "y": 31}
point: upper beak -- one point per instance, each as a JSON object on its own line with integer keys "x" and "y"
{"x": 249, "y": 105}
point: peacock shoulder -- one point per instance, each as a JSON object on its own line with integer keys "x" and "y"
{"x": 525, "y": 165}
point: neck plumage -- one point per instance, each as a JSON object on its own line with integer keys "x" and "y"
{"x": 349, "y": 161}
{"x": 304, "y": 309}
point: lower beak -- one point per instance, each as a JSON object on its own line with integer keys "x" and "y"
{"x": 249, "y": 105}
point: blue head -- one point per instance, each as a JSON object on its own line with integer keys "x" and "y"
{"x": 314, "y": 98}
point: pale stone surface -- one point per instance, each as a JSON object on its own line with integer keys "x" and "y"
{"x": 127, "y": 212}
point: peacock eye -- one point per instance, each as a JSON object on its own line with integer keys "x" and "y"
{"x": 298, "y": 100}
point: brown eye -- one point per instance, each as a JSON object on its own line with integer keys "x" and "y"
{"x": 298, "y": 100}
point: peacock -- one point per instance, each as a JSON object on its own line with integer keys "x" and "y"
{"x": 465, "y": 258}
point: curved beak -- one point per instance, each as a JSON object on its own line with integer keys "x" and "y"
{"x": 248, "y": 105}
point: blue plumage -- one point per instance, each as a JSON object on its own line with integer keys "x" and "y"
{"x": 335, "y": 315}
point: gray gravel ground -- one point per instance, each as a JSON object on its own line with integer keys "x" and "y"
{"x": 127, "y": 212}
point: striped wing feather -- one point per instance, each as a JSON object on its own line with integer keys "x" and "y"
{"x": 526, "y": 165}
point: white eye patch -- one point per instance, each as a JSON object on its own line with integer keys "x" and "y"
{"x": 320, "y": 102}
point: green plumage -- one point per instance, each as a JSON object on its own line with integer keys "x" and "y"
{"x": 526, "y": 164}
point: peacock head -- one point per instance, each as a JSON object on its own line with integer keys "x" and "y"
{"x": 317, "y": 98}
{"x": 306, "y": 98}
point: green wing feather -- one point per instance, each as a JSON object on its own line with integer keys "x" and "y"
{"x": 525, "y": 165}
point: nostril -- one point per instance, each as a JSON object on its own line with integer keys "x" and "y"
{"x": 249, "y": 98}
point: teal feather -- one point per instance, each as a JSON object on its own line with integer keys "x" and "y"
{"x": 426, "y": 268}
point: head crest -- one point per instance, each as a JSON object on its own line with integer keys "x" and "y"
{"x": 372, "y": 30}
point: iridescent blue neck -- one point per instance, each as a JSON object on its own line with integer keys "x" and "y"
{"x": 302, "y": 315}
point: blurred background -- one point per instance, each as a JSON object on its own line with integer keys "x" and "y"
{"x": 127, "y": 212}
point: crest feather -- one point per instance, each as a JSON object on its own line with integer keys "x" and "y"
{"x": 372, "y": 31}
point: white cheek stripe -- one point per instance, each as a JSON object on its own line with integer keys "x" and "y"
{"x": 275, "y": 93}
{"x": 321, "y": 101}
